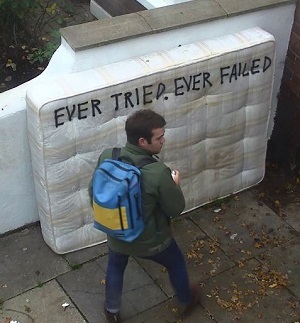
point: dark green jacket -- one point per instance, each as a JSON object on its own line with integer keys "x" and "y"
{"x": 162, "y": 201}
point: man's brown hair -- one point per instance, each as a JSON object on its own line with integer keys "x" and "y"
{"x": 140, "y": 125}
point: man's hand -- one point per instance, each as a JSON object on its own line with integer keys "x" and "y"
{"x": 176, "y": 176}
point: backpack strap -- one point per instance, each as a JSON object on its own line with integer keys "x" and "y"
{"x": 116, "y": 155}
{"x": 146, "y": 161}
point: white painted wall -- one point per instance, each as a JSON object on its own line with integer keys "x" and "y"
{"x": 150, "y": 4}
{"x": 17, "y": 197}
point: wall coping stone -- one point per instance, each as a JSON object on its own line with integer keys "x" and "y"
{"x": 110, "y": 30}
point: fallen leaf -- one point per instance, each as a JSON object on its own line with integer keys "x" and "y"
{"x": 277, "y": 203}
{"x": 11, "y": 64}
{"x": 258, "y": 245}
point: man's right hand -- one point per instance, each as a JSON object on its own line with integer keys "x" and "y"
{"x": 176, "y": 176}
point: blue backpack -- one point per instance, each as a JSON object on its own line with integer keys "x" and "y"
{"x": 117, "y": 197}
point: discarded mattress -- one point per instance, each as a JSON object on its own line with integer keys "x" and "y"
{"x": 215, "y": 96}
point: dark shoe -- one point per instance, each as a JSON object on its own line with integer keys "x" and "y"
{"x": 196, "y": 297}
{"x": 112, "y": 317}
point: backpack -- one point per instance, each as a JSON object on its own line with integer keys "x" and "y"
{"x": 117, "y": 197}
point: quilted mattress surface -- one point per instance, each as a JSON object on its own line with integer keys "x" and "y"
{"x": 215, "y": 96}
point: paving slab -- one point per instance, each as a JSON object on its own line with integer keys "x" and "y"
{"x": 235, "y": 7}
{"x": 87, "y": 254}
{"x": 169, "y": 312}
{"x": 286, "y": 259}
{"x": 41, "y": 305}
{"x": 183, "y": 14}
{"x": 291, "y": 214}
{"x": 140, "y": 292}
{"x": 203, "y": 257}
{"x": 279, "y": 307}
{"x": 247, "y": 295}
{"x": 243, "y": 226}
{"x": 85, "y": 286}
{"x": 26, "y": 262}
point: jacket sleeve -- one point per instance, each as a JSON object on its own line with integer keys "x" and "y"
{"x": 171, "y": 198}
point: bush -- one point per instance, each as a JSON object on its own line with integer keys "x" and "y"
{"x": 27, "y": 39}
{"x": 14, "y": 15}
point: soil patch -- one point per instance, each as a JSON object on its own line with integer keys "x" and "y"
{"x": 16, "y": 66}
{"x": 278, "y": 188}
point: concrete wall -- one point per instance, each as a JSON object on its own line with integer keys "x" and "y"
{"x": 110, "y": 40}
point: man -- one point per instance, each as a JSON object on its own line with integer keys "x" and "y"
{"x": 162, "y": 201}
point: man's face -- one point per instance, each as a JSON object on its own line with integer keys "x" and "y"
{"x": 157, "y": 141}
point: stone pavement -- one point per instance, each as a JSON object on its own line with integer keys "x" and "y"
{"x": 244, "y": 255}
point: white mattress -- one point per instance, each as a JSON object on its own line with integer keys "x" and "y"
{"x": 216, "y": 135}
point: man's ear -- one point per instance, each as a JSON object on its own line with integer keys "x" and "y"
{"x": 142, "y": 142}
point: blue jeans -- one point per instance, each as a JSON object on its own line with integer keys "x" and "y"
{"x": 171, "y": 258}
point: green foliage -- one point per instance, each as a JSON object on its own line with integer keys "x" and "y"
{"x": 40, "y": 284}
{"x": 16, "y": 9}
{"x": 29, "y": 35}
{"x": 25, "y": 19}
{"x": 24, "y": 24}
{"x": 75, "y": 266}
{"x": 46, "y": 50}
{"x": 14, "y": 15}
{"x": 47, "y": 13}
